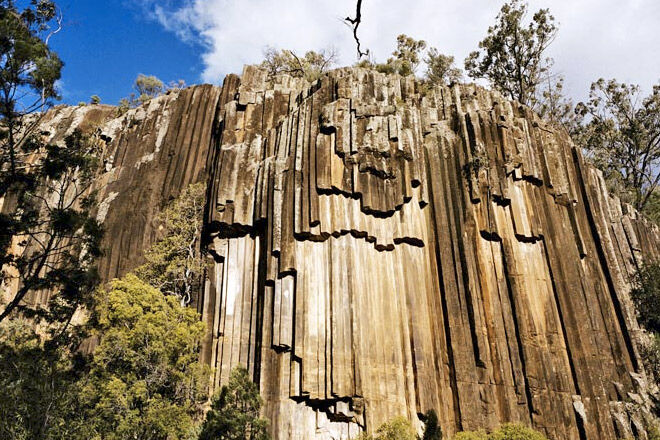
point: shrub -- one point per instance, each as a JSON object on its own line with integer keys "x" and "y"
{"x": 650, "y": 354}
{"x": 646, "y": 296}
{"x": 398, "y": 428}
{"x": 234, "y": 413}
{"x": 145, "y": 379}
{"x": 432, "y": 430}
{"x": 471, "y": 435}
{"x": 509, "y": 431}
{"x": 513, "y": 431}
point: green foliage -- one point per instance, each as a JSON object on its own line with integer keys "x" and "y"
{"x": 49, "y": 220}
{"x": 95, "y": 99}
{"x": 123, "y": 107}
{"x": 553, "y": 106}
{"x": 622, "y": 137}
{"x": 509, "y": 431}
{"x": 310, "y": 66}
{"x": 650, "y": 354}
{"x": 398, "y": 428}
{"x": 145, "y": 380}
{"x": 511, "y": 57}
{"x": 406, "y": 57}
{"x": 646, "y": 296}
{"x": 28, "y": 67}
{"x": 432, "y": 430}
{"x": 174, "y": 264}
{"x": 440, "y": 68}
{"x": 513, "y": 431}
{"x": 59, "y": 238}
{"x": 148, "y": 87}
{"x": 471, "y": 435}
{"x": 38, "y": 386}
{"x": 176, "y": 85}
{"x": 234, "y": 413}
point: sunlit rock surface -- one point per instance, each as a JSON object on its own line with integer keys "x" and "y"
{"x": 380, "y": 248}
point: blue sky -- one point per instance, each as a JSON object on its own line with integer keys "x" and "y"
{"x": 106, "y": 43}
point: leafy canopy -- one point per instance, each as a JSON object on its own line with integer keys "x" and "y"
{"x": 234, "y": 413}
{"x": 398, "y": 428}
{"x": 509, "y": 431}
{"x": 174, "y": 264}
{"x": 440, "y": 68}
{"x": 405, "y": 58}
{"x": 621, "y": 135}
{"x": 148, "y": 87}
{"x": 432, "y": 429}
{"x": 38, "y": 385}
{"x": 310, "y": 66}
{"x": 145, "y": 380}
{"x": 646, "y": 296}
{"x": 56, "y": 238}
{"x": 511, "y": 57}
{"x": 28, "y": 68}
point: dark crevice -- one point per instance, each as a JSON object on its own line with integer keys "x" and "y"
{"x": 569, "y": 354}
{"x": 521, "y": 352}
{"x": 618, "y": 308}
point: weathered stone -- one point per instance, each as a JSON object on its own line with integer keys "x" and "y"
{"x": 378, "y": 253}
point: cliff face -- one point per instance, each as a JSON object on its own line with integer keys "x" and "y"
{"x": 380, "y": 249}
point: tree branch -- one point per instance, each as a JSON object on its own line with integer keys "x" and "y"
{"x": 355, "y": 23}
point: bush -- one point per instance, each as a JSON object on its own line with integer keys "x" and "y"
{"x": 432, "y": 430}
{"x": 471, "y": 435}
{"x": 145, "y": 379}
{"x": 513, "y": 431}
{"x": 234, "y": 413}
{"x": 509, "y": 431}
{"x": 650, "y": 354}
{"x": 398, "y": 428}
{"x": 646, "y": 296}
{"x": 38, "y": 389}
{"x": 310, "y": 66}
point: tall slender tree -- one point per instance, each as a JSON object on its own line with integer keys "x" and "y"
{"x": 621, "y": 135}
{"x": 48, "y": 237}
{"x": 512, "y": 56}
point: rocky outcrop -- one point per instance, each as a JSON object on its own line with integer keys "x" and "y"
{"x": 381, "y": 248}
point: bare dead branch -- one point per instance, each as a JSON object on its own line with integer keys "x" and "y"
{"x": 355, "y": 23}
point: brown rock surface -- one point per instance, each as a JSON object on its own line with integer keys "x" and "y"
{"x": 380, "y": 249}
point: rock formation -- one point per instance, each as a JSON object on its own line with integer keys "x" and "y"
{"x": 381, "y": 248}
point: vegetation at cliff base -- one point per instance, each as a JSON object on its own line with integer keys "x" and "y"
{"x": 234, "y": 413}
{"x": 398, "y": 428}
{"x": 145, "y": 380}
{"x": 509, "y": 431}
{"x": 39, "y": 385}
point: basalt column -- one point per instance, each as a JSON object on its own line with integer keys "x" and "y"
{"x": 379, "y": 248}
{"x": 383, "y": 249}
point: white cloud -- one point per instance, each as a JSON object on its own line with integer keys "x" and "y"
{"x": 607, "y": 38}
